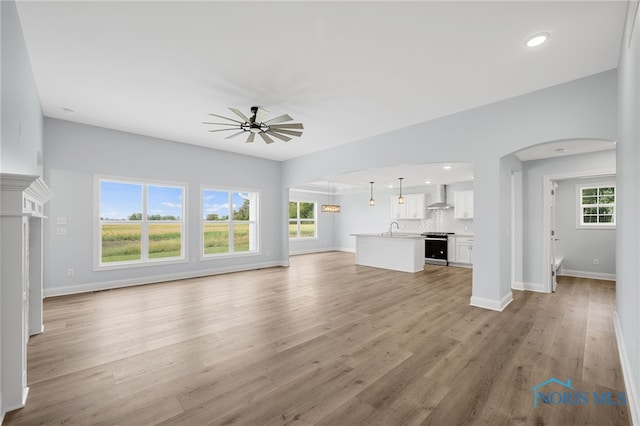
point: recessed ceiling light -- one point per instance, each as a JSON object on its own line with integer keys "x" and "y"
{"x": 427, "y": 182}
{"x": 447, "y": 167}
{"x": 561, "y": 150}
{"x": 536, "y": 39}
{"x": 67, "y": 110}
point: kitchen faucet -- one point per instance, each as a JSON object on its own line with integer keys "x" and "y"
{"x": 391, "y": 228}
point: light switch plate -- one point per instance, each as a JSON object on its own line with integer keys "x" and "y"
{"x": 61, "y": 230}
{"x": 61, "y": 220}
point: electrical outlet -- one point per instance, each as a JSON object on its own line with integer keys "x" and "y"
{"x": 596, "y": 261}
{"x": 70, "y": 272}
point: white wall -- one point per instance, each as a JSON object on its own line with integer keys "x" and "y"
{"x": 628, "y": 237}
{"x": 533, "y": 205}
{"x": 75, "y": 153}
{"x": 325, "y": 225}
{"x": 578, "y": 109}
{"x": 580, "y": 246}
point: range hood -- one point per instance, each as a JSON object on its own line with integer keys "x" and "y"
{"x": 440, "y": 202}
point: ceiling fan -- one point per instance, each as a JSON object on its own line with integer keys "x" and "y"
{"x": 276, "y": 127}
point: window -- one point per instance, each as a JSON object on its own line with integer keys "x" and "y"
{"x": 229, "y": 222}
{"x": 597, "y": 206}
{"x": 302, "y": 219}
{"x": 139, "y": 222}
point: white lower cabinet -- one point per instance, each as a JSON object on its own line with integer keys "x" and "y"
{"x": 464, "y": 250}
{"x": 451, "y": 249}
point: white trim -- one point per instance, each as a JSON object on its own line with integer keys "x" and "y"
{"x": 579, "y": 206}
{"x": 311, "y": 251}
{"x": 257, "y": 222}
{"x": 108, "y": 285}
{"x": 461, "y": 265}
{"x": 627, "y": 371}
{"x": 587, "y": 274}
{"x": 535, "y": 287}
{"x": 144, "y": 260}
{"x": 494, "y": 305}
{"x": 517, "y": 285}
{"x": 546, "y": 206}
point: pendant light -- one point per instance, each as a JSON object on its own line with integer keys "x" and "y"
{"x": 330, "y": 208}
{"x": 400, "y": 198}
{"x": 372, "y": 201}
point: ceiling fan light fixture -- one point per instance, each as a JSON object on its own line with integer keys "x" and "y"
{"x": 277, "y": 127}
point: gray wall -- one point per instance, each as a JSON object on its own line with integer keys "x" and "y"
{"x": 325, "y": 225}
{"x": 21, "y": 112}
{"x": 578, "y": 109}
{"x": 75, "y": 153}
{"x": 580, "y": 246}
{"x": 533, "y": 206}
{"x": 628, "y": 239}
{"x": 21, "y": 119}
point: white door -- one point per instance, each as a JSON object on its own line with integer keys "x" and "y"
{"x": 553, "y": 236}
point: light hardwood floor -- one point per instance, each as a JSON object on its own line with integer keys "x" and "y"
{"x": 322, "y": 342}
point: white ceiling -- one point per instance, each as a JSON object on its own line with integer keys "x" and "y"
{"x": 563, "y": 148}
{"x": 413, "y": 175}
{"x": 347, "y": 70}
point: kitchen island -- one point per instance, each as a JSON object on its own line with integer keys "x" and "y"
{"x": 399, "y": 252}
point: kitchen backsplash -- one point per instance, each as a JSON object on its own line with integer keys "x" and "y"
{"x": 438, "y": 221}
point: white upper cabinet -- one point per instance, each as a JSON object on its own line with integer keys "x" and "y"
{"x": 413, "y": 207}
{"x": 463, "y": 204}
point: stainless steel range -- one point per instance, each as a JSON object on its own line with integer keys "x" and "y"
{"x": 436, "y": 247}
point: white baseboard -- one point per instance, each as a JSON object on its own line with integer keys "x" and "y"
{"x": 494, "y": 305}
{"x": 461, "y": 265}
{"x": 627, "y": 374}
{"x": 346, "y": 249}
{"x": 108, "y": 285}
{"x": 587, "y": 274}
{"x": 537, "y": 287}
{"x": 311, "y": 251}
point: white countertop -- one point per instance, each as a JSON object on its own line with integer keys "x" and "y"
{"x": 386, "y": 235}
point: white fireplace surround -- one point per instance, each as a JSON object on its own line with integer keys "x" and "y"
{"x": 22, "y": 199}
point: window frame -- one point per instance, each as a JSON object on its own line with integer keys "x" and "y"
{"x": 144, "y": 260}
{"x": 580, "y": 224}
{"x": 256, "y": 223}
{"x": 299, "y": 220}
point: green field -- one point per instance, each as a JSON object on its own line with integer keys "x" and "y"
{"x": 216, "y": 238}
{"x": 121, "y": 242}
{"x": 307, "y": 230}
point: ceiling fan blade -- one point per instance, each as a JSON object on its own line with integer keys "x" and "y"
{"x": 235, "y": 134}
{"x": 280, "y": 119}
{"x": 222, "y": 124}
{"x": 288, "y": 126}
{"x": 278, "y": 135}
{"x": 251, "y": 137}
{"x": 224, "y": 130}
{"x": 226, "y": 118}
{"x": 261, "y": 114}
{"x": 266, "y": 138}
{"x": 239, "y": 114}
{"x": 286, "y": 132}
